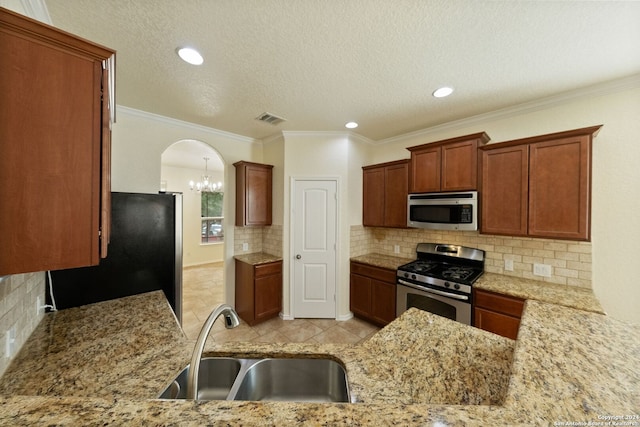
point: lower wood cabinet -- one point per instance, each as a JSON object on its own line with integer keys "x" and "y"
{"x": 372, "y": 293}
{"x": 497, "y": 313}
{"x": 258, "y": 291}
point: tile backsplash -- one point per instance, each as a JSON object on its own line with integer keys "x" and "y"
{"x": 258, "y": 239}
{"x": 18, "y": 300}
{"x": 570, "y": 261}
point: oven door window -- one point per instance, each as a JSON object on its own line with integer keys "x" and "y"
{"x": 431, "y": 305}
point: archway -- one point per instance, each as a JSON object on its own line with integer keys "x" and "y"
{"x": 184, "y": 166}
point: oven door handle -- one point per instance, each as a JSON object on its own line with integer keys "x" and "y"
{"x": 434, "y": 291}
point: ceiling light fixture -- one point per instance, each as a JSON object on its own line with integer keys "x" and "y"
{"x": 190, "y": 55}
{"x": 442, "y": 92}
{"x": 351, "y": 125}
{"x": 205, "y": 184}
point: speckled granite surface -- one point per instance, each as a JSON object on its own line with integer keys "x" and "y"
{"x": 383, "y": 261}
{"x": 103, "y": 364}
{"x": 569, "y": 296}
{"x": 257, "y": 258}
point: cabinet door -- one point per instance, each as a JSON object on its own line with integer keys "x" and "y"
{"x": 396, "y": 190}
{"x": 504, "y": 191}
{"x": 253, "y": 193}
{"x": 360, "y": 295}
{"x": 497, "y": 323}
{"x": 373, "y": 192}
{"x": 460, "y": 166}
{"x": 50, "y": 110}
{"x": 425, "y": 170}
{"x": 268, "y": 296}
{"x": 383, "y": 301}
{"x": 258, "y": 196}
{"x": 559, "y": 193}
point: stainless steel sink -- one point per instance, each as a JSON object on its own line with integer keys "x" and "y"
{"x": 301, "y": 380}
{"x": 298, "y": 380}
{"x": 215, "y": 379}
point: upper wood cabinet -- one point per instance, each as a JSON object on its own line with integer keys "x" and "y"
{"x": 384, "y": 194}
{"x": 539, "y": 186}
{"x": 54, "y": 147}
{"x": 253, "y": 193}
{"x": 448, "y": 165}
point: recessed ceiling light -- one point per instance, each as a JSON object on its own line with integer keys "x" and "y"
{"x": 351, "y": 125}
{"x": 442, "y": 92}
{"x": 190, "y": 55}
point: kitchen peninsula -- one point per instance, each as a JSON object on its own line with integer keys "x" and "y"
{"x": 106, "y": 363}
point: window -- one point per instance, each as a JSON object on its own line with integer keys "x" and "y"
{"x": 211, "y": 216}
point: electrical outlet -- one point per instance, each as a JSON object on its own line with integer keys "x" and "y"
{"x": 396, "y": 249}
{"x": 543, "y": 270}
{"x": 10, "y": 340}
{"x": 245, "y": 247}
{"x": 508, "y": 265}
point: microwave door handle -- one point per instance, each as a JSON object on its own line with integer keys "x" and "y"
{"x": 434, "y": 291}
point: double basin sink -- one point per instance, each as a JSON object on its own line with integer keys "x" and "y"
{"x": 270, "y": 379}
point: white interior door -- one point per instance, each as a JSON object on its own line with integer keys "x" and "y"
{"x": 314, "y": 218}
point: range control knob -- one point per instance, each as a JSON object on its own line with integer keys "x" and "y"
{"x": 456, "y": 286}
{"x": 447, "y": 284}
{"x": 413, "y": 276}
{"x": 406, "y": 275}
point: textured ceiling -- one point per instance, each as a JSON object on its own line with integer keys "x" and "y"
{"x": 321, "y": 63}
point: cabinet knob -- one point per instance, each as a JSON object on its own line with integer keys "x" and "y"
{"x": 298, "y": 256}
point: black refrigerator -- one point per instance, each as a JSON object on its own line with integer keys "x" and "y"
{"x": 144, "y": 254}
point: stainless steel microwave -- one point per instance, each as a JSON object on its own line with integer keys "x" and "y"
{"x": 443, "y": 211}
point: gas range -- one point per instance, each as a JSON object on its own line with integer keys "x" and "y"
{"x": 440, "y": 266}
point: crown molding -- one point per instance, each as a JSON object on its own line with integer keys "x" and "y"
{"x": 527, "y": 107}
{"x": 37, "y": 9}
{"x": 348, "y": 134}
{"x": 181, "y": 123}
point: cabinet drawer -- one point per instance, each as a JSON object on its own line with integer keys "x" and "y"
{"x": 378, "y": 273}
{"x": 499, "y": 303}
{"x": 267, "y": 269}
{"x": 497, "y": 323}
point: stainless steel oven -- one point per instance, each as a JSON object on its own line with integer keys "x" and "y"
{"x": 440, "y": 280}
{"x": 445, "y": 304}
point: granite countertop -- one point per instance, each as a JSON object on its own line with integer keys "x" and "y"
{"x": 106, "y": 363}
{"x": 257, "y": 258}
{"x": 383, "y": 261}
{"x": 568, "y": 296}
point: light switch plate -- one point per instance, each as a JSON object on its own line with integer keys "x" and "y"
{"x": 245, "y": 247}
{"x": 396, "y": 249}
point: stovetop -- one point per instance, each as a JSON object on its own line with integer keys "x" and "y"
{"x": 445, "y": 271}
{"x": 450, "y": 267}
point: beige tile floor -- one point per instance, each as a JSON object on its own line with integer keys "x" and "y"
{"x": 203, "y": 290}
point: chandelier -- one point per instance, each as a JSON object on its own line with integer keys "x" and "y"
{"x": 205, "y": 183}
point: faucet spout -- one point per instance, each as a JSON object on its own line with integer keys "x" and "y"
{"x": 231, "y": 320}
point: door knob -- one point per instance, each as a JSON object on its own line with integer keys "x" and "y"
{"x": 298, "y": 256}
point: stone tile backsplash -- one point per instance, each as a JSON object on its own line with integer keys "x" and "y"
{"x": 258, "y": 239}
{"x": 570, "y": 261}
{"x": 18, "y": 299}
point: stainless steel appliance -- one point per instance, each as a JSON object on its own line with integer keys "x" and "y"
{"x": 440, "y": 280}
{"x": 443, "y": 211}
{"x": 145, "y": 254}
